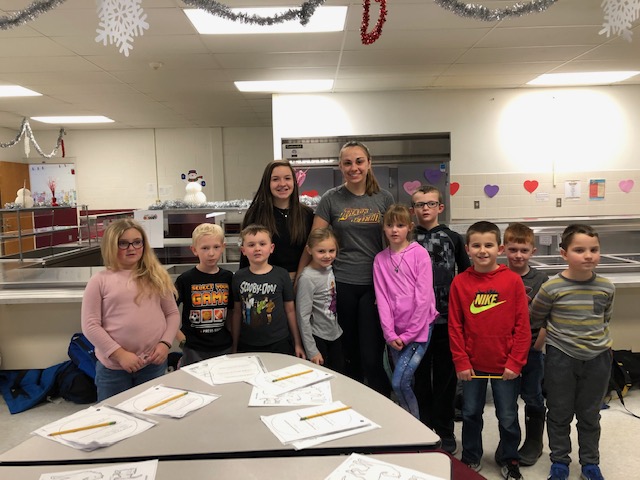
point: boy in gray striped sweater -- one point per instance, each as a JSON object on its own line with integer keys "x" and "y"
{"x": 574, "y": 309}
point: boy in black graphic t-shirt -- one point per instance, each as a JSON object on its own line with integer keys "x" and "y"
{"x": 205, "y": 293}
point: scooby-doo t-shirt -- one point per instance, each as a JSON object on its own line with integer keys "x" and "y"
{"x": 263, "y": 320}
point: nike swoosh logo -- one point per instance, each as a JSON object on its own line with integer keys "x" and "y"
{"x": 473, "y": 309}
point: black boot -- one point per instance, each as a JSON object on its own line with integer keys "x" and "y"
{"x": 532, "y": 447}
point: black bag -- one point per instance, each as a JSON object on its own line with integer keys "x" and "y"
{"x": 74, "y": 385}
{"x": 82, "y": 353}
{"x": 620, "y": 379}
{"x": 631, "y": 364}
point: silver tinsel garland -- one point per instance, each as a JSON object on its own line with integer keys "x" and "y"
{"x": 242, "y": 204}
{"x": 25, "y": 129}
{"x": 478, "y": 12}
{"x": 303, "y": 13}
{"x": 30, "y": 13}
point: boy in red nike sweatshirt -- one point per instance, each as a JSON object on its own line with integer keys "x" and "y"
{"x": 490, "y": 336}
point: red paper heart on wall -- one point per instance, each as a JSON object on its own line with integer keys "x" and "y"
{"x": 530, "y": 185}
{"x": 454, "y": 187}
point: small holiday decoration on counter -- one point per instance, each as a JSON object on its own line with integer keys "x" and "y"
{"x": 52, "y": 186}
{"x": 193, "y": 188}
{"x": 23, "y": 198}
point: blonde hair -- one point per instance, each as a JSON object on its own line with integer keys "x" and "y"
{"x": 149, "y": 274}
{"x": 519, "y": 233}
{"x": 398, "y": 213}
{"x": 206, "y": 229}
{"x": 318, "y": 235}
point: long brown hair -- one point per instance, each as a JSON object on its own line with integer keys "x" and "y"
{"x": 371, "y": 185}
{"x": 149, "y": 274}
{"x": 261, "y": 210}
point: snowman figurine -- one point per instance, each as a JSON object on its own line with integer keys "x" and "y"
{"x": 194, "y": 195}
{"x": 24, "y": 198}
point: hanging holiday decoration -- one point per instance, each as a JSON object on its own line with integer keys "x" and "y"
{"x": 33, "y": 11}
{"x": 478, "y": 12}
{"x": 25, "y": 130}
{"x": 369, "y": 38}
{"x": 618, "y": 17}
{"x": 120, "y": 22}
{"x": 303, "y": 14}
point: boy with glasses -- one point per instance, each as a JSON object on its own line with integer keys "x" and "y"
{"x": 435, "y": 378}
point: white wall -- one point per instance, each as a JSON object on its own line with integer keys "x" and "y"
{"x": 498, "y": 137}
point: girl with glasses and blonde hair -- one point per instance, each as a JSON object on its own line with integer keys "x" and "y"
{"x": 129, "y": 311}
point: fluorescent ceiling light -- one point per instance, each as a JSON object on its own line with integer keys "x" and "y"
{"x": 17, "y": 91}
{"x": 325, "y": 19}
{"x": 73, "y": 119}
{"x": 581, "y": 78}
{"x": 285, "y": 86}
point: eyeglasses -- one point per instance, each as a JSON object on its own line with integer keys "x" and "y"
{"x": 123, "y": 244}
{"x": 427, "y": 204}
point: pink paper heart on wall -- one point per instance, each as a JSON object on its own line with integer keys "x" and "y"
{"x": 311, "y": 193}
{"x": 432, "y": 176}
{"x": 453, "y": 188}
{"x": 491, "y": 190}
{"x": 626, "y": 185}
{"x": 411, "y": 187}
{"x": 530, "y": 185}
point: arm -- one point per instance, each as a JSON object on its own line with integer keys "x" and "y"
{"x": 290, "y": 310}
{"x": 540, "y": 341}
{"x": 462, "y": 258}
{"x": 235, "y": 326}
{"x": 305, "y": 258}
{"x": 464, "y": 370}
{"x": 424, "y": 303}
{"x": 304, "y": 308}
{"x": 384, "y": 304}
{"x": 172, "y": 319}
{"x": 517, "y": 356}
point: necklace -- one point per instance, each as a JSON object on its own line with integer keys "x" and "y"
{"x": 282, "y": 211}
{"x": 396, "y": 267}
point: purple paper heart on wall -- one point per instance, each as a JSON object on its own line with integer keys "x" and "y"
{"x": 432, "y": 176}
{"x": 491, "y": 190}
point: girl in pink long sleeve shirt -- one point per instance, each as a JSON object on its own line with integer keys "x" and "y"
{"x": 129, "y": 311}
{"x": 403, "y": 282}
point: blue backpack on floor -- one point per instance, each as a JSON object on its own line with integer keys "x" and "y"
{"x": 24, "y": 389}
{"x": 82, "y": 353}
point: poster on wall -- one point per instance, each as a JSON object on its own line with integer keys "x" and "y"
{"x": 572, "y": 190}
{"x": 153, "y": 223}
{"x": 53, "y": 180}
{"x": 596, "y": 189}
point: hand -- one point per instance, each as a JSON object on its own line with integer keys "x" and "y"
{"x": 509, "y": 375}
{"x": 300, "y": 352}
{"x": 159, "y": 354}
{"x": 130, "y": 362}
{"x": 318, "y": 360}
{"x": 396, "y": 344}
{"x": 465, "y": 375}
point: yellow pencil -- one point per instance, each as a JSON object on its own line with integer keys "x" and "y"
{"x": 342, "y": 409}
{"x": 487, "y": 376}
{"x": 79, "y": 429}
{"x": 166, "y": 400}
{"x": 292, "y": 375}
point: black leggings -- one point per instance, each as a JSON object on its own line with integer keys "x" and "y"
{"x": 362, "y": 340}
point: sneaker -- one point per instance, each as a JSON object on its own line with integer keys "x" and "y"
{"x": 476, "y": 467}
{"x": 498, "y": 456}
{"x": 559, "y": 471}
{"x": 511, "y": 470}
{"x": 450, "y": 445}
{"x": 591, "y": 472}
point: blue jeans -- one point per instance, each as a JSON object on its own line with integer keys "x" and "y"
{"x": 111, "y": 382}
{"x": 531, "y": 383}
{"x": 406, "y": 361}
{"x": 505, "y": 398}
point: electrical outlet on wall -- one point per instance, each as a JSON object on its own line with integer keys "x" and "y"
{"x": 558, "y": 202}
{"x": 476, "y": 204}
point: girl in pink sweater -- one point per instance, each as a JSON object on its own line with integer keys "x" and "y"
{"x": 129, "y": 311}
{"x": 403, "y": 282}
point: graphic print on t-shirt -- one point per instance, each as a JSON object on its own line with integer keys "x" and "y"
{"x": 257, "y": 305}
{"x": 484, "y": 301}
{"x": 360, "y": 215}
{"x": 209, "y": 306}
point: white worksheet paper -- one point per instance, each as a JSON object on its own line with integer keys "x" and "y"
{"x": 290, "y": 427}
{"x": 312, "y": 442}
{"x": 317, "y": 394}
{"x": 176, "y": 408}
{"x": 125, "y": 426}
{"x": 289, "y": 378}
{"x": 225, "y": 369}
{"x": 133, "y": 471}
{"x": 361, "y": 467}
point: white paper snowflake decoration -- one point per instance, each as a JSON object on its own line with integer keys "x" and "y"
{"x": 120, "y": 21}
{"x": 618, "y": 17}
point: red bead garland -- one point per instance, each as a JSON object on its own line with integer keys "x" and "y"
{"x": 369, "y": 38}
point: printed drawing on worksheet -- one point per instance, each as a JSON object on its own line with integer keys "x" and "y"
{"x": 360, "y": 467}
{"x": 123, "y": 471}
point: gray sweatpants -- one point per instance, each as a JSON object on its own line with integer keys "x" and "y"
{"x": 575, "y": 387}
